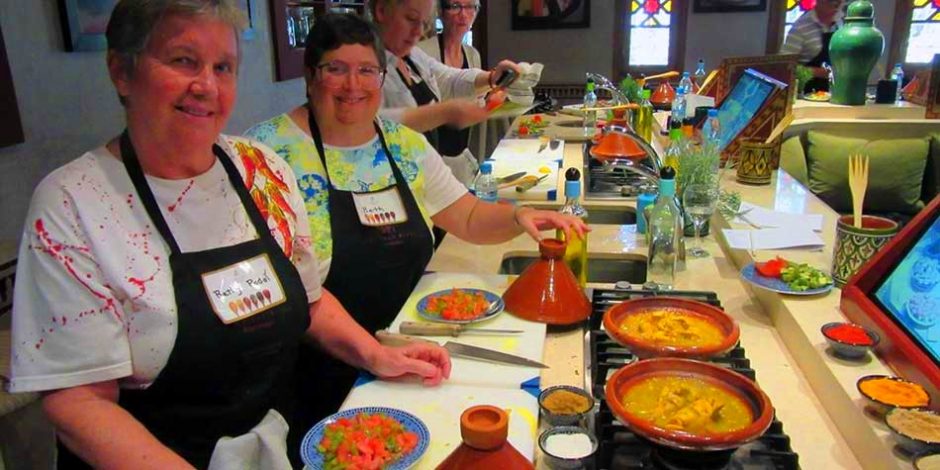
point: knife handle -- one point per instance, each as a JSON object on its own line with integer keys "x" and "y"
{"x": 429, "y": 329}
{"x": 527, "y": 183}
{"x": 387, "y": 338}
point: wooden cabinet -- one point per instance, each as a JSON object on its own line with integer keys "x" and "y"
{"x": 290, "y": 22}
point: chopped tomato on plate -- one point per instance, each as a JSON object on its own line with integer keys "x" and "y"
{"x": 458, "y": 304}
{"x": 365, "y": 441}
{"x": 771, "y": 268}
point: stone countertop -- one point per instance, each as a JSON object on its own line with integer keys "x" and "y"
{"x": 814, "y": 393}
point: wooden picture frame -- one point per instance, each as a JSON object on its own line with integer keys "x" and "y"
{"x": 550, "y": 14}
{"x": 84, "y": 23}
{"x": 725, "y": 6}
{"x": 781, "y": 67}
{"x": 11, "y": 132}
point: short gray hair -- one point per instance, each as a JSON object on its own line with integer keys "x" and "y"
{"x": 132, "y": 22}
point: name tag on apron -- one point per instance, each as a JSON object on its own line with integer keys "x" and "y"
{"x": 380, "y": 208}
{"x": 243, "y": 289}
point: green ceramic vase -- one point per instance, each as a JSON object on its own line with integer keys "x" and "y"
{"x": 854, "y": 50}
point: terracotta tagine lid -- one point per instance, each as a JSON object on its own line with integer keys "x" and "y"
{"x": 614, "y": 145}
{"x": 547, "y": 291}
{"x": 484, "y": 429}
{"x": 663, "y": 94}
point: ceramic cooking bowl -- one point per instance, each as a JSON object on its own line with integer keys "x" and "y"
{"x": 645, "y": 348}
{"x": 846, "y": 349}
{"x": 631, "y": 375}
{"x": 880, "y": 406}
{"x": 910, "y": 443}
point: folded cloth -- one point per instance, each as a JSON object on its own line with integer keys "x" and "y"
{"x": 520, "y": 91}
{"x": 264, "y": 447}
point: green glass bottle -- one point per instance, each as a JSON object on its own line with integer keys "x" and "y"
{"x": 576, "y": 250}
{"x": 643, "y": 117}
{"x": 854, "y": 50}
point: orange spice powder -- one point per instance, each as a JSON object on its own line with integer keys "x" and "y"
{"x": 894, "y": 392}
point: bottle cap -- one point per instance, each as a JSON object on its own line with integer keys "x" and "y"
{"x": 667, "y": 173}
{"x": 685, "y": 74}
{"x": 486, "y": 167}
{"x": 572, "y": 188}
{"x": 713, "y": 113}
{"x": 647, "y": 94}
{"x": 675, "y": 134}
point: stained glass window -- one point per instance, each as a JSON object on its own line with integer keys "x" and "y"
{"x": 650, "y": 22}
{"x": 795, "y": 9}
{"x": 924, "y": 39}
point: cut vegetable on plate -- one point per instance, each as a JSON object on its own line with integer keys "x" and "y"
{"x": 787, "y": 277}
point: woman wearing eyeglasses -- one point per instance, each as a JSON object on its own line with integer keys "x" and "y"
{"x": 372, "y": 190}
{"x": 424, "y": 93}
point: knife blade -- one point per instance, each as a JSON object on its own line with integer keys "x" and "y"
{"x": 460, "y": 350}
{"x": 445, "y": 329}
{"x": 544, "y": 141}
{"x": 510, "y": 178}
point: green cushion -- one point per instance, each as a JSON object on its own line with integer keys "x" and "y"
{"x": 896, "y": 171}
{"x": 932, "y": 173}
{"x": 793, "y": 159}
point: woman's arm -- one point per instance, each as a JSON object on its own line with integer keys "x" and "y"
{"x": 91, "y": 424}
{"x": 459, "y": 113}
{"x": 480, "y": 222}
{"x": 335, "y": 331}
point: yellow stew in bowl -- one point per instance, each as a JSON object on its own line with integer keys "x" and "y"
{"x": 688, "y": 404}
{"x": 672, "y": 327}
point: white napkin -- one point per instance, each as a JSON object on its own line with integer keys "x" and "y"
{"x": 520, "y": 91}
{"x": 772, "y": 238}
{"x": 262, "y": 448}
{"x": 765, "y": 218}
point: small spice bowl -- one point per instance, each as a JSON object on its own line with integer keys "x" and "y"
{"x": 848, "y": 340}
{"x": 567, "y": 447}
{"x": 557, "y": 405}
{"x": 927, "y": 461}
{"x": 881, "y": 404}
{"x": 916, "y": 430}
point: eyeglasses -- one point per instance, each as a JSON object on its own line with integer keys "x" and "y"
{"x": 333, "y": 75}
{"x": 456, "y": 8}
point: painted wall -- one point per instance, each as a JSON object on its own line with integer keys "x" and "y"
{"x": 68, "y": 105}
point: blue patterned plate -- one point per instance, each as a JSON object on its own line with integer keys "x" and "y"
{"x": 423, "y": 312}
{"x": 750, "y": 274}
{"x": 313, "y": 459}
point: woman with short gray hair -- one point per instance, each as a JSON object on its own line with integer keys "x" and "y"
{"x": 165, "y": 281}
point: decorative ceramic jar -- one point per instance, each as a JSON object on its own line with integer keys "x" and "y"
{"x": 854, "y": 50}
{"x": 547, "y": 291}
{"x": 856, "y": 245}
{"x": 484, "y": 429}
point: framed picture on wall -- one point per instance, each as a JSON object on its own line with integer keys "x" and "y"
{"x": 550, "y": 14}
{"x": 84, "y": 23}
{"x": 722, "y": 6}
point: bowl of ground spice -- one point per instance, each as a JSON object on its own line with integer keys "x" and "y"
{"x": 885, "y": 392}
{"x": 848, "y": 340}
{"x": 564, "y": 405}
{"x": 927, "y": 461}
{"x": 916, "y": 430}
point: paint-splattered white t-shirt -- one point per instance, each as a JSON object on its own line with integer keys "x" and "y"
{"x": 94, "y": 298}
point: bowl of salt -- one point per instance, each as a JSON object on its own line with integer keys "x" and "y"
{"x": 567, "y": 447}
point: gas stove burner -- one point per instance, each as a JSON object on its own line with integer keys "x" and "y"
{"x": 674, "y": 459}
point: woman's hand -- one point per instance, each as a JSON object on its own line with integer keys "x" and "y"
{"x": 502, "y": 66}
{"x": 428, "y": 361}
{"x": 463, "y": 113}
{"x": 533, "y": 221}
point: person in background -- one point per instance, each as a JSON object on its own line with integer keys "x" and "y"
{"x": 166, "y": 279}
{"x": 809, "y": 38}
{"x": 351, "y": 164}
{"x": 424, "y": 93}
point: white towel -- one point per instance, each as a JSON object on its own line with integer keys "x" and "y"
{"x": 520, "y": 91}
{"x": 262, "y": 448}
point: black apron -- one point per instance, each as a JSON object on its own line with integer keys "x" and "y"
{"x": 372, "y": 273}
{"x": 452, "y": 141}
{"x": 220, "y": 380}
{"x": 819, "y": 83}
{"x": 423, "y": 95}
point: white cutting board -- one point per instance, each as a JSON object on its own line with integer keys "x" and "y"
{"x": 440, "y": 408}
{"x": 514, "y": 155}
{"x": 529, "y": 344}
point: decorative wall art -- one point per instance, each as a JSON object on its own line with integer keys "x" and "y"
{"x": 550, "y": 14}
{"x": 84, "y": 23}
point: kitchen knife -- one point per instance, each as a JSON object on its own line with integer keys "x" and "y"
{"x": 529, "y": 182}
{"x": 445, "y": 329}
{"x": 510, "y": 178}
{"x": 460, "y": 350}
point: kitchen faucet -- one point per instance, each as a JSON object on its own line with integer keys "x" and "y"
{"x": 604, "y": 83}
{"x": 648, "y": 167}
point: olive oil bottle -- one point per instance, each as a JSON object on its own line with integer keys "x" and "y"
{"x": 576, "y": 252}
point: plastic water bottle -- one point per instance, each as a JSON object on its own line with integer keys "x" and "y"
{"x": 898, "y": 74}
{"x": 711, "y": 131}
{"x": 700, "y": 73}
{"x": 686, "y": 82}
{"x": 576, "y": 249}
{"x": 678, "y": 106}
{"x": 590, "y": 115}
{"x": 485, "y": 186}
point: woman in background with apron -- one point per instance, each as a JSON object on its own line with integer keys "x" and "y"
{"x": 809, "y": 39}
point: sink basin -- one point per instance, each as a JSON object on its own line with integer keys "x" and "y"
{"x": 602, "y": 268}
{"x": 604, "y": 215}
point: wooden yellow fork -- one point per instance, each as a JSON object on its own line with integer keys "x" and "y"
{"x": 858, "y": 184}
